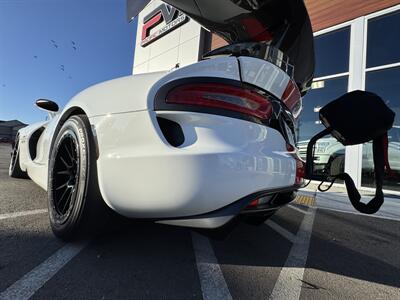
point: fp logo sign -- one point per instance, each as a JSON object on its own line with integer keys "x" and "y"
{"x": 163, "y": 13}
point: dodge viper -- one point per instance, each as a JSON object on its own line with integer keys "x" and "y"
{"x": 199, "y": 146}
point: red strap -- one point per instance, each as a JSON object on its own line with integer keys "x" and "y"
{"x": 385, "y": 144}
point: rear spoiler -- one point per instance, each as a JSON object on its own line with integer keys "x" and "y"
{"x": 134, "y": 7}
{"x": 283, "y": 24}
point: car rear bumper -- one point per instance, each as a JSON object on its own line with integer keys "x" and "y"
{"x": 221, "y": 160}
{"x": 275, "y": 198}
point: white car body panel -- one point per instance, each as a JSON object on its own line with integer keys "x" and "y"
{"x": 136, "y": 92}
{"x": 121, "y": 95}
{"x": 141, "y": 175}
{"x": 37, "y": 168}
{"x": 222, "y": 159}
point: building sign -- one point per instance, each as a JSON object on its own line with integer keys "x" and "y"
{"x": 172, "y": 18}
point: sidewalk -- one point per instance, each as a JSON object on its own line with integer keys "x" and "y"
{"x": 336, "y": 199}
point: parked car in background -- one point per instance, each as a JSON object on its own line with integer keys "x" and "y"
{"x": 330, "y": 154}
{"x": 5, "y": 140}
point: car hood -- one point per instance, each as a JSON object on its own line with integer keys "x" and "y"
{"x": 284, "y": 24}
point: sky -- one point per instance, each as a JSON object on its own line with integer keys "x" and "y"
{"x": 53, "y": 49}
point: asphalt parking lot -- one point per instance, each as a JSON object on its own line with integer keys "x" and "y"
{"x": 303, "y": 252}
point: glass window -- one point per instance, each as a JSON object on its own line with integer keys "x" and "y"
{"x": 328, "y": 151}
{"x": 385, "y": 83}
{"x": 332, "y": 52}
{"x": 383, "y": 41}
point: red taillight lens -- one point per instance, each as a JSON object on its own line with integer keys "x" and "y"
{"x": 300, "y": 165}
{"x": 292, "y": 98}
{"x": 222, "y": 96}
{"x": 300, "y": 172}
{"x": 253, "y": 203}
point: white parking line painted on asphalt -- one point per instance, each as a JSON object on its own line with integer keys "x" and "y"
{"x": 22, "y": 213}
{"x": 212, "y": 281}
{"x": 282, "y": 231}
{"x": 390, "y": 210}
{"x": 298, "y": 209}
{"x": 360, "y": 214}
{"x": 347, "y": 211}
{"x": 26, "y": 287}
{"x": 288, "y": 285}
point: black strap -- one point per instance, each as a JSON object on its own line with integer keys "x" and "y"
{"x": 328, "y": 188}
{"x": 378, "y": 148}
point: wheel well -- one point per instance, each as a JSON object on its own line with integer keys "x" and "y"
{"x": 33, "y": 141}
{"x": 73, "y": 111}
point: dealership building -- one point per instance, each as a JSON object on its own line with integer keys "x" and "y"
{"x": 357, "y": 46}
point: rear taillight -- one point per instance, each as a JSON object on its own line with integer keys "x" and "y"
{"x": 300, "y": 165}
{"x": 300, "y": 172}
{"x": 253, "y": 203}
{"x": 292, "y": 98}
{"x": 222, "y": 96}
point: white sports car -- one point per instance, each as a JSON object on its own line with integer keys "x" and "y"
{"x": 197, "y": 146}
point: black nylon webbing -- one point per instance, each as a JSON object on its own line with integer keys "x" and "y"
{"x": 378, "y": 148}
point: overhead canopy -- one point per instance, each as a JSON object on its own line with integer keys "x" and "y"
{"x": 283, "y": 23}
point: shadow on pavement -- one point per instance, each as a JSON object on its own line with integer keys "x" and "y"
{"x": 154, "y": 261}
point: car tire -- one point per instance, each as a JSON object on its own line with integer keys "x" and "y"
{"x": 76, "y": 207}
{"x": 15, "y": 169}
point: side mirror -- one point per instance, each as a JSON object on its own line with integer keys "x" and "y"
{"x": 47, "y": 105}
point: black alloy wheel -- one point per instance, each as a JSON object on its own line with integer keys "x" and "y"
{"x": 76, "y": 207}
{"x": 65, "y": 175}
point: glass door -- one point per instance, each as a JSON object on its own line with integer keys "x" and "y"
{"x": 382, "y": 76}
{"x": 331, "y": 81}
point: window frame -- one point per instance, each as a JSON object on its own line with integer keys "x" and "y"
{"x": 365, "y": 70}
{"x": 348, "y": 163}
{"x": 366, "y": 19}
{"x": 329, "y": 30}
